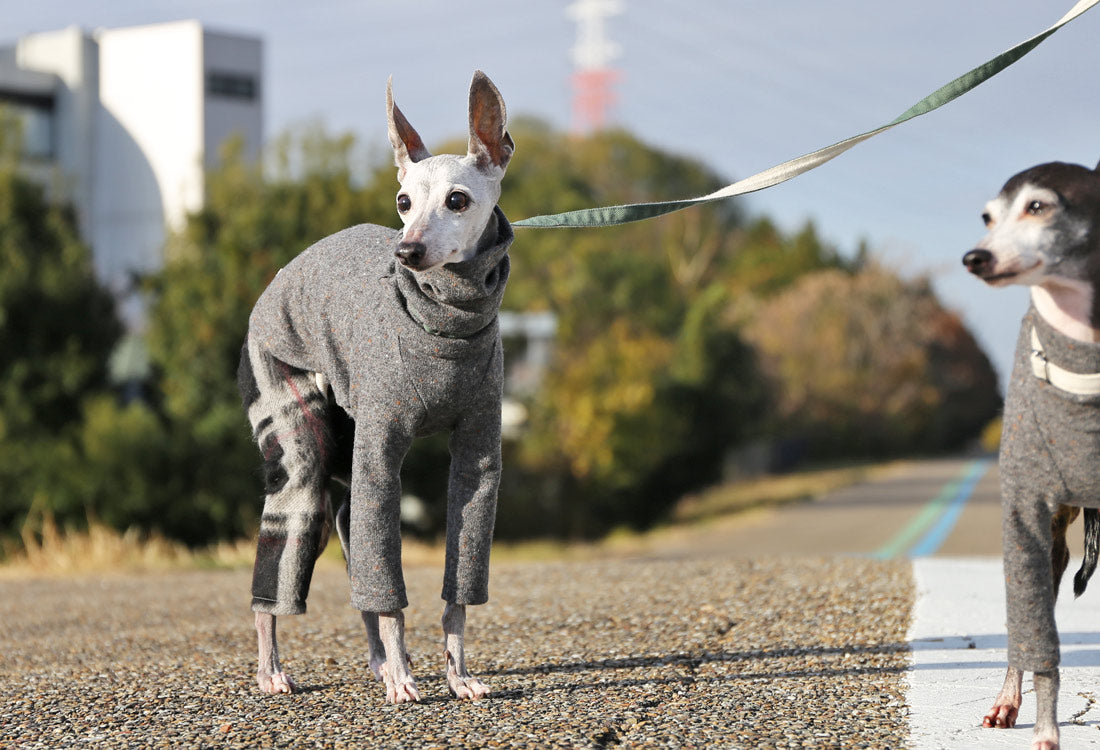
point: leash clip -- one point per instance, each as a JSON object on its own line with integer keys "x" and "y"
{"x": 1040, "y": 365}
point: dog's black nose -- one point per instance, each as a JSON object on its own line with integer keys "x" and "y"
{"x": 410, "y": 253}
{"x": 978, "y": 261}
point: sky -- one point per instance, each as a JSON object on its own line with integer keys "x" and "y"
{"x": 739, "y": 84}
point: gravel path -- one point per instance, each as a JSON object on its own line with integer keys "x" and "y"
{"x": 708, "y": 653}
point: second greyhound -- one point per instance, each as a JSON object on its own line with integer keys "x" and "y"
{"x": 1044, "y": 232}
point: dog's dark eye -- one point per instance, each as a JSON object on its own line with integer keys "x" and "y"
{"x": 1036, "y": 208}
{"x": 404, "y": 204}
{"x": 458, "y": 201}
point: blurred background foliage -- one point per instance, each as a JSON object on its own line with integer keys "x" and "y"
{"x": 679, "y": 342}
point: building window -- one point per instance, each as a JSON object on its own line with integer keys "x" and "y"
{"x": 33, "y": 116}
{"x": 231, "y": 85}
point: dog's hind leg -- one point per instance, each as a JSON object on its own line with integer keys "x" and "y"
{"x": 1059, "y": 551}
{"x": 376, "y": 652}
{"x": 270, "y": 675}
{"x": 289, "y": 417}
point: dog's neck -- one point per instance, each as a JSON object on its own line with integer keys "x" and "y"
{"x": 459, "y": 300}
{"x": 1067, "y": 306}
{"x": 491, "y": 235}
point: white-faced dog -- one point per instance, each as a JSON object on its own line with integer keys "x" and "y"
{"x": 396, "y": 330}
{"x": 1044, "y": 232}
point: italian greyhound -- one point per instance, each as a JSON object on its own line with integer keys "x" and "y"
{"x": 367, "y": 339}
{"x": 1044, "y": 232}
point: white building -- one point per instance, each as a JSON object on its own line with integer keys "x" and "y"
{"x": 122, "y": 122}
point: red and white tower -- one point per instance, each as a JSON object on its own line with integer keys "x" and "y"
{"x": 593, "y": 76}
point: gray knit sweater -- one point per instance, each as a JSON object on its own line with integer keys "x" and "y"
{"x": 1050, "y": 455}
{"x": 407, "y": 354}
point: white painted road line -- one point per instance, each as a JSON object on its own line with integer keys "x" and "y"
{"x": 958, "y": 641}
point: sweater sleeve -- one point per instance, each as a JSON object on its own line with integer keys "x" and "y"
{"x": 472, "y": 500}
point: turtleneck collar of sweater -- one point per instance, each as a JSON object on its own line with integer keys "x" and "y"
{"x": 459, "y": 300}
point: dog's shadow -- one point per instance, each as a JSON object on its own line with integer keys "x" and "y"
{"x": 1084, "y": 658}
{"x": 684, "y": 668}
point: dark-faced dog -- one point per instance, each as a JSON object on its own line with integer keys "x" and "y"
{"x": 1044, "y": 232}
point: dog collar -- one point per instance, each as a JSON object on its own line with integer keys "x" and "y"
{"x": 1079, "y": 384}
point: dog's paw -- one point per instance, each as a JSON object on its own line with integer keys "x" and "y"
{"x": 400, "y": 688}
{"x": 461, "y": 683}
{"x": 279, "y": 682}
{"x": 1045, "y": 741}
{"x": 466, "y": 687}
{"x": 1001, "y": 716}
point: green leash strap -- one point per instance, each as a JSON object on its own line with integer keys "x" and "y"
{"x": 611, "y": 215}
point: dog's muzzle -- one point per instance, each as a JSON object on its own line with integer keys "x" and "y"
{"x": 978, "y": 262}
{"x": 411, "y": 254}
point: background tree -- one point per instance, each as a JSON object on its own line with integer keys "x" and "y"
{"x": 250, "y": 226}
{"x": 868, "y": 364}
{"x": 57, "y": 327}
{"x": 675, "y": 337}
{"x": 651, "y": 383}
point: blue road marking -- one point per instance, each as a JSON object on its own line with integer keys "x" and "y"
{"x": 937, "y": 535}
{"x": 939, "y": 516}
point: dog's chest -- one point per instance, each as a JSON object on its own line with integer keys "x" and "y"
{"x": 1045, "y": 426}
{"x": 450, "y": 376}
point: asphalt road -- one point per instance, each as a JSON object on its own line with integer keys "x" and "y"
{"x": 936, "y": 507}
{"x": 785, "y": 628}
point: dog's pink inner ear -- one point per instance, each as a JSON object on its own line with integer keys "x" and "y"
{"x": 406, "y": 142}
{"x": 407, "y": 136}
{"x": 489, "y": 141}
{"x": 495, "y": 149}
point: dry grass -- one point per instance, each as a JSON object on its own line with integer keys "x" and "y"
{"x": 737, "y": 497}
{"x": 48, "y": 550}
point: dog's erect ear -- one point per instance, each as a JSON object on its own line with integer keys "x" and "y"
{"x": 407, "y": 145}
{"x": 489, "y": 141}
{"x": 1098, "y": 166}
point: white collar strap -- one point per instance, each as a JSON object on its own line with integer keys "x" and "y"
{"x": 1071, "y": 382}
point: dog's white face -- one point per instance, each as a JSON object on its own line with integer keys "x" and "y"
{"x": 1029, "y": 231}
{"x": 445, "y": 202}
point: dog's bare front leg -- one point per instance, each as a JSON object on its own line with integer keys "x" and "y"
{"x": 270, "y": 676}
{"x": 1046, "y": 720}
{"x": 1007, "y": 705}
{"x": 400, "y": 685}
{"x": 461, "y": 683}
